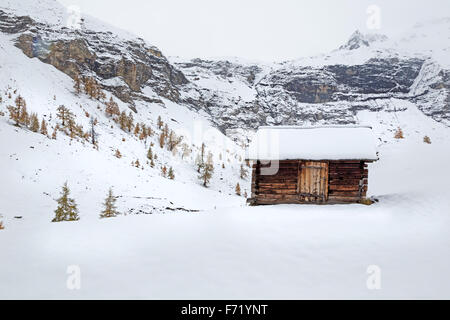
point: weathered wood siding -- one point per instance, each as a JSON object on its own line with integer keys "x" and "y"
{"x": 348, "y": 181}
{"x": 310, "y": 182}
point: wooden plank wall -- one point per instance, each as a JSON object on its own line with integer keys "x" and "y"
{"x": 279, "y": 188}
{"x": 347, "y": 183}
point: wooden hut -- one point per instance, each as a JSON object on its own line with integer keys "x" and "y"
{"x": 322, "y": 165}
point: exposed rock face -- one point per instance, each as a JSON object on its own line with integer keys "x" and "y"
{"x": 377, "y": 76}
{"x": 330, "y": 94}
{"x": 431, "y": 92}
{"x": 134, "y": 65}
{"x": 13, "y": 24}
{"x": 225, "y": 69}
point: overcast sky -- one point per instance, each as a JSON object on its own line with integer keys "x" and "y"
{"x": 258, "y": 29}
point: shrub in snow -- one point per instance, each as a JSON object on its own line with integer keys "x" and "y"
{"x": 427, "y": 139}
{"x": 112, "y": 108}
{"x": 399, "y": 134}
{"x": 67, "y": 208}
{"x": 1, "y": 225}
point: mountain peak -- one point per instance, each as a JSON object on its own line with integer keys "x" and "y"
{"x": 358, "y": 40}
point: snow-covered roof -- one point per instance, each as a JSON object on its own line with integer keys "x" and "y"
{"x": 313, "y": 143}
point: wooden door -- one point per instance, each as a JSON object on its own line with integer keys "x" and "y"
{"x": 313, "y": 181}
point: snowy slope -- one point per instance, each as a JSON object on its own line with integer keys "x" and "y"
{"x": 46, "y": 88}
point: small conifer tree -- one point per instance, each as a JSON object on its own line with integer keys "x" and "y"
{"x": 150, "y": 154}
{"x": 66, "y": 116}
{"x": 44, "y": 128}
{"x": 165, "y": 131}
{"x": 54, "y": 133}
{"x": 24, "y": 118}
{"x": 207, "y": 170}
{"x": 159, "y": 123}
{"x": 171, "y": 174}
{"x": 164, "y": 171}
{"x": 123, "y": 119}
{"x": 110, "y": 209}
{"x": 130, "y": 122}
{"x": 238, "y": 189}
{"x": 162, "y": 140}
{"x": 77, "y": 84}
{"x": 200, "y": 160}
{"x": 67, "y": 208}
{"x": 137, "y": 129}
{"x": 14, "y": 114}
{"x": 34, "y": 122}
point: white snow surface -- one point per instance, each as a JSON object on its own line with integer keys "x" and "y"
{"x": 313, "y": 143}
{"x": 226, "y": 251}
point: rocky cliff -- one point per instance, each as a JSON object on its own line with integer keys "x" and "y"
{"x": 122, "y": 66}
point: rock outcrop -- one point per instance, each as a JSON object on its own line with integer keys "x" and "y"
{"x": 122, "y": 66}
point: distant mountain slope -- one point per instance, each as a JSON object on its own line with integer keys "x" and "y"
{"x": 363, "y": 74}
